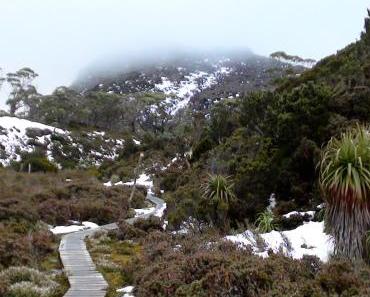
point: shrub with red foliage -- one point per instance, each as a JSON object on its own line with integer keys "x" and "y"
{"x": 201, "y": 266}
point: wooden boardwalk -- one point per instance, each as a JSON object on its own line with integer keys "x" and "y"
{"x": 84, "y": 279}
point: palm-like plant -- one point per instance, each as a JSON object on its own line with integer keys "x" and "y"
{"x": 345, "y": 184}
{"x": 218, "y": 189}
{"x": 265, "y": 222}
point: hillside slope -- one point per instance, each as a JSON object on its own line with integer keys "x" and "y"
{"x": 270, "y": 141}
{"x": 192, "y": 78}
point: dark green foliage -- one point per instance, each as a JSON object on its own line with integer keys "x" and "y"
{"x": 205, "y": 144}
{"x": 67, "y": 108}
{"x": 129, "y": 148}
{"x": 223, "y": 120}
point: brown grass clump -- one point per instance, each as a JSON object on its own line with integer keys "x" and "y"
{"x": 52, "y": 198}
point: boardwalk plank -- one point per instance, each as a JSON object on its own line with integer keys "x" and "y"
{"x": 84, "y": 279}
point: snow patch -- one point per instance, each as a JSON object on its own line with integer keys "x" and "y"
{"x": 73, "y": 228}
{"x": 310, "y": 213}
{"x": 143, "y": 211}
{"x": 308, "y": 239}
{"x": 143, "y": 180}
{"x": 127, "y": 291}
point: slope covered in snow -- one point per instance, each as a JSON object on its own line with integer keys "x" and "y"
{"x": 18, "y": 136}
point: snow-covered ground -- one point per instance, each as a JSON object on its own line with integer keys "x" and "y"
{"x": 308, "y": 239}
{"x": 13, "y": 137}
{"x": 143, "y": 180}
{"x": 73, "y": 228}
{"x": 16, "y": 136}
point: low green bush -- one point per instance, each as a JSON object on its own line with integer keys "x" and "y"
{"x": 28, "y": 282}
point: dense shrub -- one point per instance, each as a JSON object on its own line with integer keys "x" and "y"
{"x": 139, "y": 229}
{"x": 139, "y": 199}
{"x": 150, "y": 224}
{"x": 54, "y": 198}
{"x": 127, "y": 231}
{"x": 205, "y": 266}
{"x": 37, "y": 162}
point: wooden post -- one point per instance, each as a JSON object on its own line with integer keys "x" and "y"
{"x": 29, "y": 168}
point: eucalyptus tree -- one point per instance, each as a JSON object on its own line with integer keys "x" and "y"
{"x": 22, "y": 91}
{"x": 345, "y": 184}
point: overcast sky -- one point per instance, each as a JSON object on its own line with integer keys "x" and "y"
{"x": 58, "y": 38}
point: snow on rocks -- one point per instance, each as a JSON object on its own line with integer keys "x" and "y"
{"x": 308, "y": 239}
{"x": 127, "y": 291}
{"x": 73, "y": 228}
{"x": 310, "y": 213}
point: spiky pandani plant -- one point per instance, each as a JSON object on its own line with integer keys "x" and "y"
{"x": 218, "y": 188}
{"x": 345, "y": 184}
{"x": 265, "y": 222}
